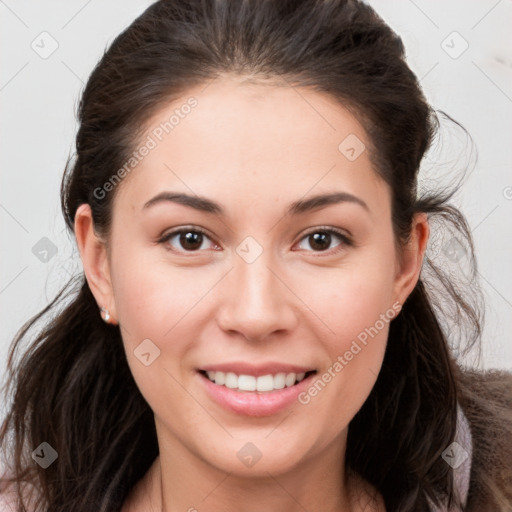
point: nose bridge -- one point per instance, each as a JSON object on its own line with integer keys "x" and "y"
{"x": 257, "y": 302}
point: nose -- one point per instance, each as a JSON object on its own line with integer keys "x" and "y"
{"x": 257, "y": 300}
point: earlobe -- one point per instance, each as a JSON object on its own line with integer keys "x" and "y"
{"x": 413, "y": 253}
{"x": 93, "y": 253}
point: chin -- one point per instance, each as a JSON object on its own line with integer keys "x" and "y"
{"x": 257, "y": 458}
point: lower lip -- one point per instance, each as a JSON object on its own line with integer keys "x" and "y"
{"x": 252, "y": 403}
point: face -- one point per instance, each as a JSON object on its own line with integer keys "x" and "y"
{"x": 251, "y": 287}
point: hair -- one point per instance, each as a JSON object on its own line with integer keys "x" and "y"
{"x": 73, "y": 388}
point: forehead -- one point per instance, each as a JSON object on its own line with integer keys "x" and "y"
{"x": 262, "y": 140}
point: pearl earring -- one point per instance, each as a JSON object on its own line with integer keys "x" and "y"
{"x": 105, "y": 314}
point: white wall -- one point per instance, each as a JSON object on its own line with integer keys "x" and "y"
{"x": 38, "y": 98}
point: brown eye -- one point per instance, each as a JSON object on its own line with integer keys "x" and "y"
{"x": 191, "y": 240}
{"x": 321, "y": 240}
{"x": 185, "y": 240}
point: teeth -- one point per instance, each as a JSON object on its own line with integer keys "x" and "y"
{"x": 263, "y": 383}
{"x": 247, "y": 383}
{"x": 251, "y": 383}
{"x": 231, "y": 380}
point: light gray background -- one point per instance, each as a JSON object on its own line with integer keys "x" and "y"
{"x": 39, "y": 94}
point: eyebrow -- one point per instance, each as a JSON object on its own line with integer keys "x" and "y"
{"x": 301, "y": 206}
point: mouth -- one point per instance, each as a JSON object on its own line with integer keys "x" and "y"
{"x": 261, "y": 384}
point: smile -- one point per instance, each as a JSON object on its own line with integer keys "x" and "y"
{"x": 262, "y": 384}
{"x": 254, "y": 391}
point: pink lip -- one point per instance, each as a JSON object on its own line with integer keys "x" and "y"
{"x": 241, "y": 368}
{"x": 253, "y": 403}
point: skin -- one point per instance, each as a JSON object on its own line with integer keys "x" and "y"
{"x": 254, "y": 149}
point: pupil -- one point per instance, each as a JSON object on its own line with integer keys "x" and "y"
{"x": 191, "y": 240}
{"x": 319, "y": 238}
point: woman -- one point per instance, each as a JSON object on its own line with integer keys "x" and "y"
{"x": 253, "y": 329}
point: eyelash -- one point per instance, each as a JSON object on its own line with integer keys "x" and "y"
{"x": 345, "y": 240}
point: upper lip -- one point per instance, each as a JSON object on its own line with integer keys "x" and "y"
{"x": 242, "y": 368}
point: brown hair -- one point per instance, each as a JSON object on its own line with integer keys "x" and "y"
{"x": 72, "y": 387}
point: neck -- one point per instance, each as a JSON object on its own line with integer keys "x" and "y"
{"x": 178, "y": 482}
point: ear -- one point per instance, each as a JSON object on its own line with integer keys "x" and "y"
{"x": 410, "y": 263}
{"x": 93, "y": 252}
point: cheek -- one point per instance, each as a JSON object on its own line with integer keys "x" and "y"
{"x": 356, "y": 309}
{"x": 358, "y": 317}
{"x": 153, "y": 297}
{"x": 161, "y": 303}
{"x": 355, "y": 353}
{"x": 152, "y": 308}
{"x": 145, "y": 302}
{"x": 149, "y": 303}
{"x": 351, "y": 298}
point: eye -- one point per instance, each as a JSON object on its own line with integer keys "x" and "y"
{"x": 191, "y": 239}
{"x": 320, "y": 239}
